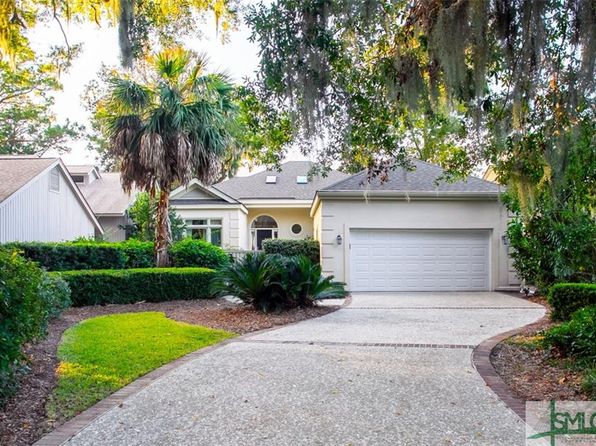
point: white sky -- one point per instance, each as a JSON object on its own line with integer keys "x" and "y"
{"x": 238, "y": 58}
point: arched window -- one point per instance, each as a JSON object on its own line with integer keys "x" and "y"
{"x": 262, "y": 228}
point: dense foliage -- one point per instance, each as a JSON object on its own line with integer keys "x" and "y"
{"x": 576, "y": 337}
{"x": 292, "y": 247}
{"x": 28, "y": 299}
{"x": 272, "y": 283}
{"x": 86, "y": 255}
{"x": 82, "y": 255}
{"x": 100, "y": 287}
{"x": 191, "y": 252}
{"x": 373, "y": 79}
{"x": 140, "y": 23}
{"x": 28, "y": 125}
{"x": 143, "y": 211}
{"x": 566, "y": 298}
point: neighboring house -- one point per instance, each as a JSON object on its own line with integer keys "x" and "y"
{"x": 39, "y": 201}
{"x": 106, "y": 197}
{"x": 241, "y": 212}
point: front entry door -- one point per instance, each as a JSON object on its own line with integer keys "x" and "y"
{"x": 263, "y": 234}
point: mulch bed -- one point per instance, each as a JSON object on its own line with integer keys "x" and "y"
{"x": 533, "y": 373}
{"x": 23, "y": 419}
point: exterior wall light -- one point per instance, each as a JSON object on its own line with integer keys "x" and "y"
{"x": 339, "y": 239}
{"x": 505, "y": 240}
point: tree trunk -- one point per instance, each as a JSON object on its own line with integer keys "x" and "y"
{"x": 163, "y": 233}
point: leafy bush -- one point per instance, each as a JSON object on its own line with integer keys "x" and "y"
{"x": 576, "y": 337}
{"x": 589, "y": 383}
{"x": 73, "y": 255}
{"x": 98, "y": 287}
{"x": 190, "y": 252}
{"x": 566, "y": 298}
{"x": 28, "y": 298}
{"x": 138, "y": 254}
{"x": 554, "y": 245}
{"x": 290, "y": 247}
{"x": 274, "y": 283}
{"x": 55, "y": 293}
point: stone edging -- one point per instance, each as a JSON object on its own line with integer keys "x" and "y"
{"x": 483, "y": 365}
{"x": 70, "y": 428}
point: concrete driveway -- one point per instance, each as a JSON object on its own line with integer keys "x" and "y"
{"x": 390, "y": 369}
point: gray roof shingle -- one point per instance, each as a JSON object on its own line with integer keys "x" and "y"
{"x": 16, "y": 171}
{"x": 106, "y": 196}
{"x": 422, "y": 179}
{"x": 286, "y": 187}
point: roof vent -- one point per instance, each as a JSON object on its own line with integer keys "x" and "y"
{"x": 301, "y": 179}
{"x": 271, "y": 179}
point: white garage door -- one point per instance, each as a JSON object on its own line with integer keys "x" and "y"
{"x": 412, "y": 260}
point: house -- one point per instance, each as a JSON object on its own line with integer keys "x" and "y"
{"x": 103, "y": 191}
{"x": 408, "y": 233}
{"x": 241, "y": 212}
{"x": 39, "y": 201}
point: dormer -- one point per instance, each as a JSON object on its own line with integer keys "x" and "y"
{"x": 83, "y": 175}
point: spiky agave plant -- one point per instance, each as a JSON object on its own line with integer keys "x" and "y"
{"x": 169, "y": 122}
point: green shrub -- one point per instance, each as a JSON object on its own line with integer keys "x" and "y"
{"x": 576, "y": 337}
{"x": 275, "y": 283}
{"x": 190, "y": 252}
{"x": 566, "y": 298}
{"x": 55, "y": 293}
{"x": 589, "y": 383}
{"x": 138, "y": 254}
{"x": 99, "y": 287}
{"x": 290, "y": 247}
{"x": 28, "y": 298}
{"x": 73, "y": 255}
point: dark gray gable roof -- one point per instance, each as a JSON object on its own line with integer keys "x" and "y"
{"x": 286, "y": 187}
{"x": 422, "y": 179}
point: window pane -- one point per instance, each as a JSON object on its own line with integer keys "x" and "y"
{"x": 215, "y": 222}
{"x": 216, "y": 236}
{"x": 199, "y": 222}
{"x": 199, "y": 233}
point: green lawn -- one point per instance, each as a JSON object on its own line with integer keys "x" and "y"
{"x": 103, "y": 354}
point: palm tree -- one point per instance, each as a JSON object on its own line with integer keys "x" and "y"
{"x": 168, "y": 122}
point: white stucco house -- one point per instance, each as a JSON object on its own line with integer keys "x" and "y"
{"x": 39, "y": 201}
{"x": 409, "y": 233}
{"x": 103, "y": 191}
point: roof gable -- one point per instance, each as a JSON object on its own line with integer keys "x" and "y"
{"x": 286, "y": 186}
{"x": 197, "y": 193}
{"x": 422, "y": 179}
{"x": 17, "y": 171}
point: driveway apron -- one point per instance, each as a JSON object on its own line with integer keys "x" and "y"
{"x": 389, "y": 369}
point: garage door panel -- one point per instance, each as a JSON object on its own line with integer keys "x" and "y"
{"x": 411, "y": 260}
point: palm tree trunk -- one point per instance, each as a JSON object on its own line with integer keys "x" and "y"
{"x": 163, "y": 234}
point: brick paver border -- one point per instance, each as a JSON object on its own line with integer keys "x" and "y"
{"x": 484, "y": 367}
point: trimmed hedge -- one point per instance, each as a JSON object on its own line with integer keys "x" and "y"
{"x": 88, "y": 255}
{"x": 566, "y": 298}
{"x": 190, "y": 252}
{"x": 29, "y": 297}
{"x": 84, "y": 255}
{"x": 576, "y": 337}
{"x": 100, "y": 287}
{"x": 290, "y": 247}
